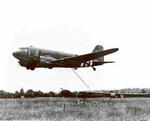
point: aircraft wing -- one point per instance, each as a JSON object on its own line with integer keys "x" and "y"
{"x": 76, "y": 60}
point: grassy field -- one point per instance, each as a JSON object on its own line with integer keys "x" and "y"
{"x": 67, "y": 109}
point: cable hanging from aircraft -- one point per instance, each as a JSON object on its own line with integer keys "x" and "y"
{"x": 81, "y": 79}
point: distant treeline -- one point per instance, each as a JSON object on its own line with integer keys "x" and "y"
{"x": 136, "y": 92}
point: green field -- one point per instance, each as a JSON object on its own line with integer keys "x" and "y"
{"x": 68, "y": 109}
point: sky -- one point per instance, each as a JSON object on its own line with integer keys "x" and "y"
{"x": 76, "y": 27}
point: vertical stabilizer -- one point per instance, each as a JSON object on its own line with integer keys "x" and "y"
{"x": 98, "y": 48}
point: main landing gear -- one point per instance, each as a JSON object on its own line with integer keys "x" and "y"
{"x": 31, "y": 66}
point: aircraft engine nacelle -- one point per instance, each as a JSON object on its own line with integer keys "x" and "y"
{"x": 24, "y": 64}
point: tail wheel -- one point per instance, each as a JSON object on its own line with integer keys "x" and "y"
{"x": 94, "y": 68}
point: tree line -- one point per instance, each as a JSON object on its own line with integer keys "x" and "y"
{"x": 136, "y": 92}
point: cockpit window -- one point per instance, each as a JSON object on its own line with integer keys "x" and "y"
{"x": 23, "y": 49}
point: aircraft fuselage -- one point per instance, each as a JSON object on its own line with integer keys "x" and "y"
{"x": 31, "y": 58}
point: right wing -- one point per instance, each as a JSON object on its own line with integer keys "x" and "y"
{"x": 77, "y": 60}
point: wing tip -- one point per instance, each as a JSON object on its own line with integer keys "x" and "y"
{"x": 109, "y": 61}
{"x": 115, "y": 49}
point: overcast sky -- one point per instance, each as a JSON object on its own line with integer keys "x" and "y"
{"x": 76, "y": 27}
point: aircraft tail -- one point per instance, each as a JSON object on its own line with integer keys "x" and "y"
{"x": 98, "y": 48}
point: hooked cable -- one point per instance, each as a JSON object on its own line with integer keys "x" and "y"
{"x": 81, "y": 79}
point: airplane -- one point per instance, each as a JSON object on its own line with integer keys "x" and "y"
{"x": 32, "y": 57}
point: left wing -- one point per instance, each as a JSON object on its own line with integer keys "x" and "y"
{"x": 77, "y": 60}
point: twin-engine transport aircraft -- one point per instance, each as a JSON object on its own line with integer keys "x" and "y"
{"x": 31, "y": 58}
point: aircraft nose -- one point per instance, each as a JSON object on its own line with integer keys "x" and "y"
{"x": 17, "y": 54}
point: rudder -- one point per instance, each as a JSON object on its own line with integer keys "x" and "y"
{"x": 98, "y": 48}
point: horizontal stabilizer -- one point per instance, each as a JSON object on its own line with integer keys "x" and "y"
{"x": 101, "y": 63}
